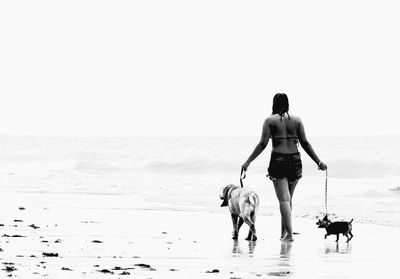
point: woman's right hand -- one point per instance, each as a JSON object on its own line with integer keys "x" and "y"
{"x": 322, "y": 166}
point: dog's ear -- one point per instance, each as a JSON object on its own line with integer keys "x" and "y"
{"x": 326, "y": 218}
{"x": 224, "y": 203}
{"x": 224, "y": 192}
{"x": 224, "y": 195}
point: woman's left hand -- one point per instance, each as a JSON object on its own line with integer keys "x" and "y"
{"x": 245, "y": 166}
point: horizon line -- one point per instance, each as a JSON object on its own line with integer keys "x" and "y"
{"x": 183, "y": 136}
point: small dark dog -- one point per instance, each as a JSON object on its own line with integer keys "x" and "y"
{"x": 243, "y": 205}
{"x": 336, "y": 228}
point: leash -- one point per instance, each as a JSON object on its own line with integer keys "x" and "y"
{"x": 326, "y": 192}
{"x": 242, "y": 176}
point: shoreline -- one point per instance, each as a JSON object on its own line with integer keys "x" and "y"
{"x": 90, "y": 242}
{"x": 141, "y": 201}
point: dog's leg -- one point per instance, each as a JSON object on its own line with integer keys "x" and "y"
{"x": 337, "y": 237}
{"x": 326, "y": 236}
{"x": 235, "y": 226}
{"x": 252, "y": 231}
{"x": 253, "y": 219}
{"x": 250, "y": 235}
{"x": 241, "y": 221}
{"x": 351, "y": 236}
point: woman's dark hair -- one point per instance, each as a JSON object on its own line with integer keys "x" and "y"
{"x": 280, "y": 104}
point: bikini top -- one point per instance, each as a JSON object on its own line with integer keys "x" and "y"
{"x": 296, "y": 139}
{"x": 286, "y": 138}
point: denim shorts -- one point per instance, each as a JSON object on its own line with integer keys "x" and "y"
{"x": 285, "y": 165}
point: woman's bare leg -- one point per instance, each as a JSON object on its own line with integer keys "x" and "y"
{"x": 283, "y": 194}
{"x": 292, "y": 186}
{"x": 283, "y": 229}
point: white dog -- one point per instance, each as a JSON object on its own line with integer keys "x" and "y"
{"x": 243, "y": 205}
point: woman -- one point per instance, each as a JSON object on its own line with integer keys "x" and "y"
{"x": 285, "y": 168}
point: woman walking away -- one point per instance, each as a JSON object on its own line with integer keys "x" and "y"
{"x": 285, "y": 167}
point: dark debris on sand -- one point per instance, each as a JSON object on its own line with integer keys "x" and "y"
{"x": 122, "y": 268}
{"x": 105, "y": 271}
{"x": 49, "y": 254}
{"x": 15, "y": 235}
{"x": 9, "y": 267}
{"x": 145, "y": 266}
{"x": 213, "y": 271}
{"x": 66, "y": 269}
{"x": 279, "y": 273}
{"x": 97, "y": 241}
{"x": 34, "y": 226}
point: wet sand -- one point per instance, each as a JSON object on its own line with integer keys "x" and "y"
{"x": 55, "y": 236}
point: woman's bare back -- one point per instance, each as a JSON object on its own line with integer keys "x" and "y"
{"x": 284, "y": 131}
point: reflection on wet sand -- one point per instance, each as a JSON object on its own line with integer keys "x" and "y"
{"x": 237, "y": 247}
{"x": 342, "y": 248}
{"x": 304, "y": 258}
{"x": 284, "y": 262}
{"x": 286, "y": 247}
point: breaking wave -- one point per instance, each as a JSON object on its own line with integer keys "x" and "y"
{"x": 396, "y": 190}
{"x": 342, "y": 168}
{"x": 97, "y": 168}
{"x": 353, "y": 169}
{"x": 194, "y": 166}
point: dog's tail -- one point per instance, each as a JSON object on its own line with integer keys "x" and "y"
{"x": 351, "y": 220}
{"x": 253, "y": 199}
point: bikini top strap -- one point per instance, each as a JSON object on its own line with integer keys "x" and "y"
{"x": 292, "y": 137}
{"x": 283, "y": 113}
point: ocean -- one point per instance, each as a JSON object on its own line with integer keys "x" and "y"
{"x": 186, "y": 174}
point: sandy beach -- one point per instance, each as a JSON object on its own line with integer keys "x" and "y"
{"x": 121, "y": 121}
{"x": 147, "y": 208}
{"x": 99, "y": 236}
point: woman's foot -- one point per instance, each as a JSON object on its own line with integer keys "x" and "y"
{"x": 287, "y": 238}
{"x": 283, "y": 233}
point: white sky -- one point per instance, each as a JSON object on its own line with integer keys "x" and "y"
{"x": 197, "y": 68}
